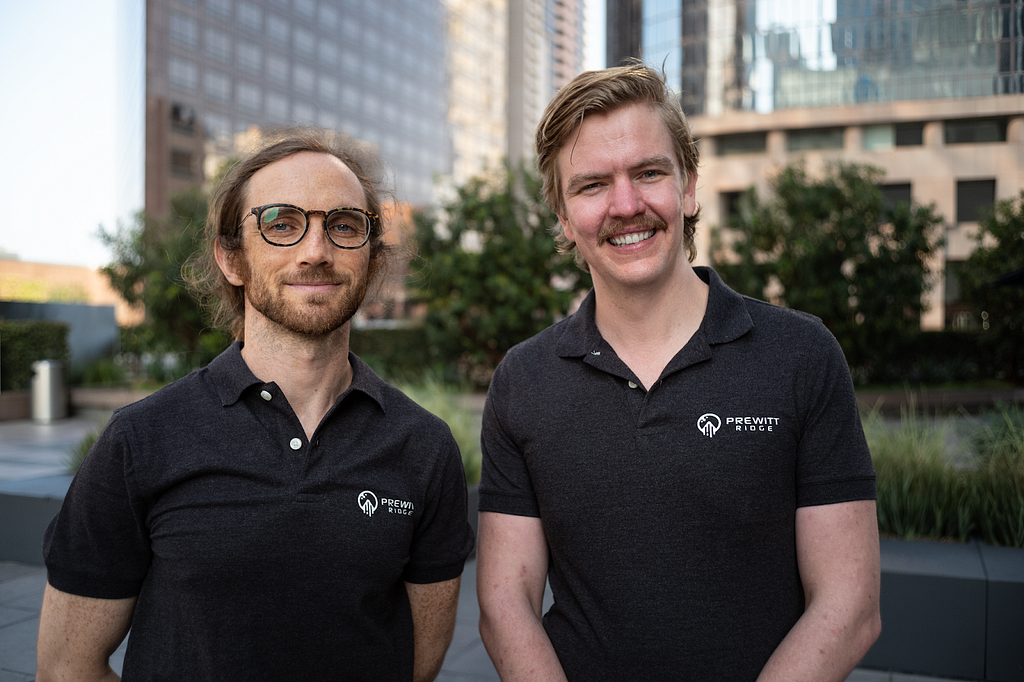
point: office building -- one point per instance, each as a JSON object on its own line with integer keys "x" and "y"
{"x": 930, "y": 91}
{"x": 215, "y": 69}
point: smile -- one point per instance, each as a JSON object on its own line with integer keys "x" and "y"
{"x": 631, "y": 238}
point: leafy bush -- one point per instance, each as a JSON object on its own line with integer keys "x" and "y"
{"x": 22, "y": 342}
{"x": 929, "y": 489}
{"x": 445, "y": 402}
{"x": 76, "y": 455}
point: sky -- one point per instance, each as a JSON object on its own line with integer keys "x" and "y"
{"x": 65, "y": 162}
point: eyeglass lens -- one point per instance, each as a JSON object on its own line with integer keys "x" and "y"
{"x": 286, "y": 226}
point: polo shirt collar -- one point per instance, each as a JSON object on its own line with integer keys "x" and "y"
{"x": 726, "y": 319}
{"x": 231, "y": 377}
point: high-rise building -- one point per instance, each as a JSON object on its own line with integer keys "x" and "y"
{"x": 930, "y": 91}
{"x": 374, "y": 69}
{"x": 507, "y": 60}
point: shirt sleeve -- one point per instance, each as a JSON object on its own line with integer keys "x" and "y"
{"x": 443, "y": 538}
{"x": 833, "y": 460}
{"x": 505, "y": 485}
{"x": 98, "y": 544}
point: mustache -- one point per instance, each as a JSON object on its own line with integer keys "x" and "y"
{"x": 318, "y": 275}
{"x": 647, "y": 221}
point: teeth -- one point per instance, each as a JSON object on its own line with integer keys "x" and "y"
{"x": 632, "y": 238}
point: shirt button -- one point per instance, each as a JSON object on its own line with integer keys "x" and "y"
{"x": 632, "y": 384}
{"x": 296, "y": 443}
{"x": 265, "y": 395}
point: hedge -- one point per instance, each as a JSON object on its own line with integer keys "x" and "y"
{"x": 22, "y": 342}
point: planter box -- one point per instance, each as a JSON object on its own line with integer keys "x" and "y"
{"x": 951, "y": 610}
{"x": 26, "y": 508}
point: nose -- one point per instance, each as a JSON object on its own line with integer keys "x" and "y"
{"x": 315, "y": 248}
{"x": 626, "y": 199}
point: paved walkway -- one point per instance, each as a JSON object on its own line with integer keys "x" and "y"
{"x": 32, "y": 460}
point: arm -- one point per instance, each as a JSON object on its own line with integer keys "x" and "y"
{"x": 512, "y": 565}
{"x": 838, "y": 559}
{"x": 433, "y": 622}
{"x": 77, "y": 635}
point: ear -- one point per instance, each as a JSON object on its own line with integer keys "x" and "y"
{"x": 567, "y": 228}
{"x": 226, "y": 263}
{"x": 690, "y": 195}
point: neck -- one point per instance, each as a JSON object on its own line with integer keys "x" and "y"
{"x": 312, "y": 371}
{"x": 648, "y": 326}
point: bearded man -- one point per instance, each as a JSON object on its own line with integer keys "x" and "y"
{"x": 282, "y": 513}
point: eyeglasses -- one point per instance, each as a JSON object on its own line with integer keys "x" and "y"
{"x": 286, "y": 225}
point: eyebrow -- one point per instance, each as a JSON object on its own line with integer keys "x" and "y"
{"x": 582, "y": 179}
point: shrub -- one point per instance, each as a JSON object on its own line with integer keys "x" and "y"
{"x": 22, "y": 342}
{"x": 928, "y": 489}
{"x": 444, "y": 402}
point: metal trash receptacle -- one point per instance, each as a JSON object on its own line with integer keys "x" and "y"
{"x": 47, "y": 391}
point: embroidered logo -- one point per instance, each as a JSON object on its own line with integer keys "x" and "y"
{"x": 367, "y": 502}
{"x": 709, "y": 423}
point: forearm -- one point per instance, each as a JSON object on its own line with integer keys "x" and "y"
{"x": 433, "y": 607}
{"x": 518, "y": 645}
{"x": 823, "y": 646}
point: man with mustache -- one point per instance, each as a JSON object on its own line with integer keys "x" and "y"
{"x": 684, "y": 465}
{"x": 282, "y": 513}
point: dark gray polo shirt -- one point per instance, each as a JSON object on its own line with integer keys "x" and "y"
{"x": 670, "y": 513}
{"x": 255, "y": 552}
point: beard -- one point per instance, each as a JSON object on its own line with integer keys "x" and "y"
{"x": 319, "y": 314}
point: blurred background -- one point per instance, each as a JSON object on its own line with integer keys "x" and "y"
{"x": 862, "y": 160}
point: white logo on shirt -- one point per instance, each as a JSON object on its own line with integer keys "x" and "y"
{"x": 709, "y": 424}
{"x": 367, "y": 502}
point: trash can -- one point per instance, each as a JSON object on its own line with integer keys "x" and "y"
{"x": 47, "y": 391}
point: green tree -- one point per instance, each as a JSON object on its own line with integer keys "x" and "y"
{"x": 999, "y": 251}
{"x": 829, "y": 247}
{"x": 488, "y": 272}
{"x": 146, "y": 269}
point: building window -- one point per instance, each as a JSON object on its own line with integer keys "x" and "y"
{"x": 328, "y": 53}
{"x": 248, "y": 58}
{"x": 304, "y": 113}
{"x": 184, "y": 31}
{"x": 216, "y": 86}
{"x": 305, "y": 79}
{"x": 249, "y": 96}
{"x": 218, "y": 127}
{"x": 894, "y": 195}
{"x": 909, "y": 134}
{"x": 877, "y": 138}
{"x": 183, "y": 118}
{"x": 305, "y": 43}
{"x": 277, "y": 107}
{"x": 975, "y": 131}
{"x": 218, "y": 44}
{"x": 328, "y": 89}
{"x": 974, "y": 199}
{"x": 730, "y": 206}
{"x": 277, "y": 69}
{"x": 181, "y": 163}
{"x": 328, "y": 17}
{"x": 814, "y": 138}
{"x": 219, "y": 8}
{"x": 182, "y": 74}
{"x": 305, "y": 8}
{"x": 250, "y": 16}
{"x": 277, "y": 31}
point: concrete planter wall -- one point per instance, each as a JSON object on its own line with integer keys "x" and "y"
{"x": 951, "y": 610}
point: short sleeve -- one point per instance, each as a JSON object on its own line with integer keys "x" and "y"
{"x": 505, "y": 485}
{"x": 98, "y": 544}
{"x": 443, "y": 538}
{"x": 833, "y": 460}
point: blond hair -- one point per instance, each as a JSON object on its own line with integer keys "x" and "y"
{"x": 603, "y": 92}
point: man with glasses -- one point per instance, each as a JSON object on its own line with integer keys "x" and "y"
{"x": 282, "y": 513}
